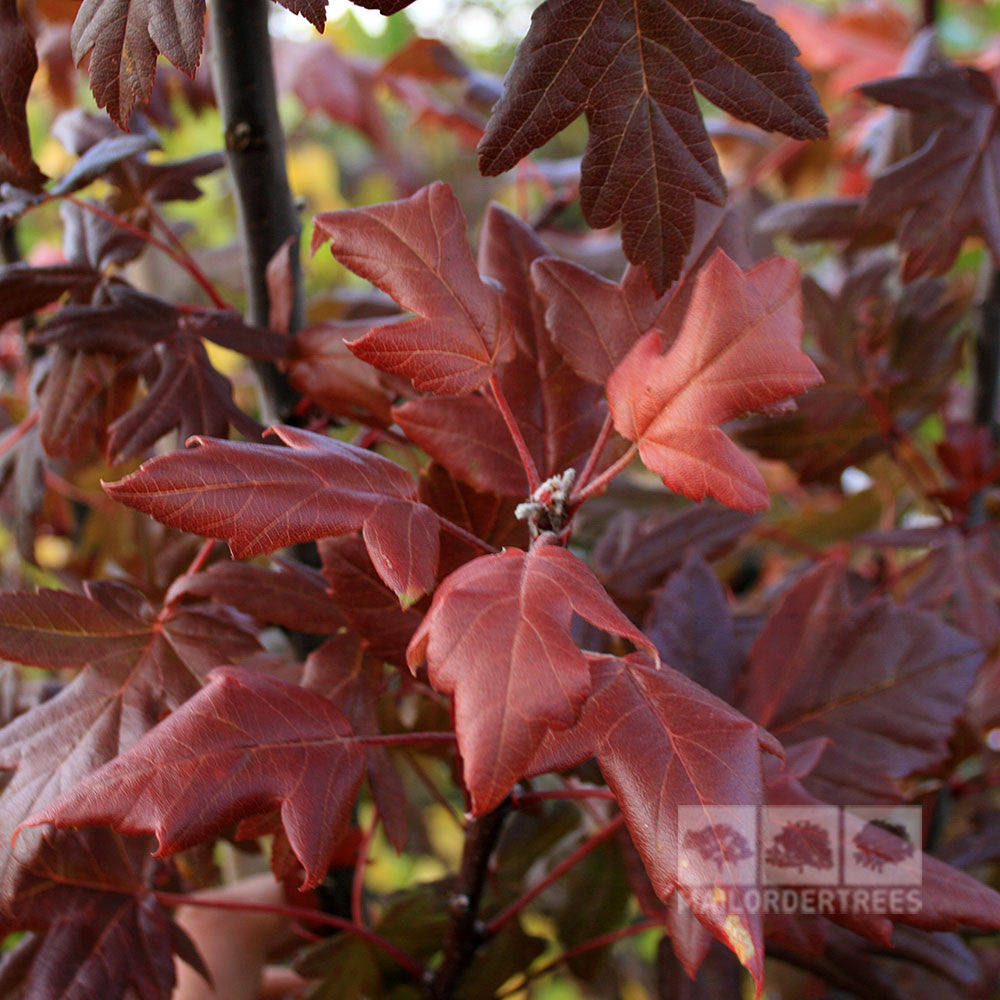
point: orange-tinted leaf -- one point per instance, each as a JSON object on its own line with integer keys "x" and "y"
{"x": 738, "y": 350}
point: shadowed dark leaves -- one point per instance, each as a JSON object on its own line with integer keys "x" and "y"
{"x": 137, "y": 665}
{"x": 884, "y": 684}
{"x": 95, "y": 932}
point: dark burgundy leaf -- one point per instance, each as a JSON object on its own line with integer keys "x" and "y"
{"x": 884, "y": 684}
{"x": 369, "y": 606}
{"x": 313, "y": 11}
{"x": 18, "y": 62}
{"x": 882, "y": 353}
{"x": 137, "y": 666}
{"x": 691, "y": 626}
{"x": 224, "y": 755}
{"x": 632, "y": 68}
{"x": 291, "y": 595}
{"x": 124, "y": 37}
{"x": 636, "y": 553}
{"x": 102, "y": 156}
{"x": 341, "y": 671}
{"x": 324, "y": 370}
{"x": 95, "y": 930}
{"x": 946, "y": 189}
{"x": 25, "y": 289}
{"x": 187, "y": 394}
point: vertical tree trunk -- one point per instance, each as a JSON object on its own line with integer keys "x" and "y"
{"x": 255, "y": 151}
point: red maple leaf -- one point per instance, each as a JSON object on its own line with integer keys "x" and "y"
{"x": 497, "y": 637}
{"x": 417, "y": 251}
{"x": 138, "y": 663}
{"x": 226, "y": 754}
{"x": 737, "y": 350}
{"x": 262, "y": 498}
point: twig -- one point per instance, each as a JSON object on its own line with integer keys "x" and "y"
{"x": 407, "y": 962}
{"x": 185, "y": 260}
{"x": 465, "y": 933}
{"x": 522, "y": 799}
{"x": 595, "y": 453}
{"x": 530, "y": 469}
{"x": 358, "y": 881}
{"x": 255, "y": 153}
{"x": 598, "y": 483}
{"x": 404, "y": 739}
{"x": 19, "y": 432}
{"x": 987, "y": 375}
{"x": 601, "y": 941}
{"x": 467, "y": 536}
{"x": 594, "y": 840}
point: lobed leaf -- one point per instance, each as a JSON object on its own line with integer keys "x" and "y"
{"x": 631, "y": 67}
{"x": 124, "y": 37}
{"x": 417, "y": 251}
{"x": 497, "y": 637}
{"x": 261, "y": 498}
{"x": 244, "y": 744}
{"x": 737, "y": 350}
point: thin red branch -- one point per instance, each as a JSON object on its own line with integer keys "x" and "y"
{"x": 405, "y": 739}
{"x": 595, "y": 453}
{"x": 467, "y": 536}
{"x": 600, "y": 941}
{"x": 594, "y": 840}
{"x": 185, "y": 261}
{"x": 435, "y": 792}
{"x": 358, "y": 879}
{"x": 521, "y": 799}
{"x": 530, "y": 469}
{"x": 305, "y": 916}
{"x": 597, "y": 484}
{"x": 19, "y": 432}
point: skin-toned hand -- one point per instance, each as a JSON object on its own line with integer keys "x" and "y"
{"x": 235, "y": 946}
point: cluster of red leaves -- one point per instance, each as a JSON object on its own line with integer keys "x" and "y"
{"x": 503, "y": 393}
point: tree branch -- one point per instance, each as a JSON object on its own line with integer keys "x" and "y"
{"x": 465, "y": 933}
{"x": 987, "y": 374}
{"x": 255, "y": 153}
